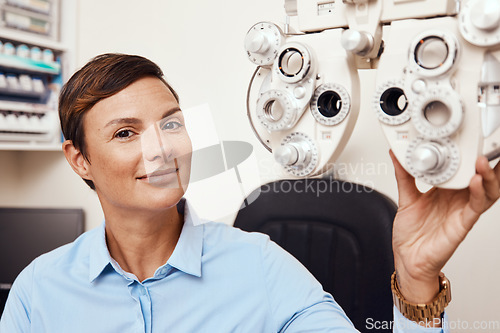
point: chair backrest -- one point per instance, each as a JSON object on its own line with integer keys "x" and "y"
{"x": 340, "y": 231}
{"x": 26, "y": 233}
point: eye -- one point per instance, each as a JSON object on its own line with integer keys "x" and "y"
{"x": 124, "y": 134}
{"x": 171, "y": 125}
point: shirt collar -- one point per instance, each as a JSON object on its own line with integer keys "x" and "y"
{"x": 188, "y": 251}
{"x": 99, "y": 254}
{"x": 186, "y": 256}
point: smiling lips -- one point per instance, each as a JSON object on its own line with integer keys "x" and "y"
{"x": 160, "y": 176}
{"x": 161, "y": 173}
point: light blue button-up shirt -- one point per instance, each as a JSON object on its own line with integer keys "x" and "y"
{"x": 218, "y": 279}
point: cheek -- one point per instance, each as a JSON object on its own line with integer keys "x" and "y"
{"x": 184, "y": 153}
{"x": 114, "y": 166}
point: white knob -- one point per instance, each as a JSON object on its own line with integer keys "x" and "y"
{"x": 485, "y": 14}
{"x": 256, "y": 42}
{"x": 299, "y": 92}
{"x": 428, "y": 157}
{"x": 358, "y": 42}
{"x": 291, "y": 7}
{"x": 296, "y": 153}
{"x": 418, "y": 86}
{"x": 286, "y": 155}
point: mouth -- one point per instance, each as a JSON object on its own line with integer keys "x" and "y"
{"x": 161, "y": 176}
{"x": 160, "y": 173}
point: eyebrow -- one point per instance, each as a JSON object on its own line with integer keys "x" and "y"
{"x": 131, "y": 120}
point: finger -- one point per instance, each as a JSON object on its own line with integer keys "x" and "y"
{"x": 497, "y": 170}
{"x": 490, "y": 180}
{"x": 476, "y": 204}
{"x": 408, "y": 191}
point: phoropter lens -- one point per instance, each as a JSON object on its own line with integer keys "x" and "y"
{"x": 273, "y": 111}
{"x": 393, "y": 101}
{"x": 437, "y": 113}
{"x": 291, "y": 62}
{"x": 431, "y": 52}
{"x": 329, "y": 104}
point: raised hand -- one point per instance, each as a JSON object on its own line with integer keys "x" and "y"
{"x": 430, "y": 226}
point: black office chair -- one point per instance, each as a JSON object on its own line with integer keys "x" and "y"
{"x": 340, "y": 231}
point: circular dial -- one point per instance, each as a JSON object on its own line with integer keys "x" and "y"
{"x": 437, "y": 113}
{"x": 276, "y": 110}
{"x": 330, "y": 104}
{"x": 433, "y": 53}
{"x": 434, "y": 161}
{"x": 297, "y": 154}
{"x": 293, "y": 62}
{"x": 262, "y": 43}
{"x": 485, "y": 14}
{"x": 391, "y": 104}
{"x": 480, "y": 22}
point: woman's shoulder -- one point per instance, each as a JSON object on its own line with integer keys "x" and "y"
{"x": 232, "y": 241}
{"x": 221, "y": 232}
{"x": 68, "y": 254}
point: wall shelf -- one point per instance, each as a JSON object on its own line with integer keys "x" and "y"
{"x": 30, "y": 146}
{"x": 31, "y": 39}
{"x": 29, "y": 96}
{"x": 21, "y": 92}
{"x": 29, "y": 65}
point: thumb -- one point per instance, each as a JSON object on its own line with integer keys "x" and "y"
{"x": 407, "y": 190}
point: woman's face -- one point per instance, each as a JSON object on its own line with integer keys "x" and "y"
{"x": 138, "y": 147}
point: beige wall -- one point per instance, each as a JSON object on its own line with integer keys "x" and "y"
{"x": 44, "y": 179}
{"x": 199, "y": 44}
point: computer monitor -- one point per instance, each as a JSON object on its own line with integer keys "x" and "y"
{"x": 26, "y": 233}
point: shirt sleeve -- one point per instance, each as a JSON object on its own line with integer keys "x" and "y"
{"x": 296, "y": 299}
{"x": 16, "y": 314}
{"x": 298, "y": 302}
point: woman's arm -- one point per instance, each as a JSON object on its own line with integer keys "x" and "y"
{"x": 17, "y": 311}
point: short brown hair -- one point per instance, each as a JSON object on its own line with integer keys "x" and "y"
{"x": 102, "y": 77}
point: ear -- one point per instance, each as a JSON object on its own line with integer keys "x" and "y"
{"x": 76, "y": 160}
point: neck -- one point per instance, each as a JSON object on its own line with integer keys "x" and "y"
{"x": 141, "y": 243}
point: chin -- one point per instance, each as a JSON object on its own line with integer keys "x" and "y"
{"x": 164, "y": 198}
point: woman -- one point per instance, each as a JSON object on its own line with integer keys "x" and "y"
{"x": 153, "y": 267}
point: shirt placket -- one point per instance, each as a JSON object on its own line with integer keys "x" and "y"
{"x": 141, "y": 295}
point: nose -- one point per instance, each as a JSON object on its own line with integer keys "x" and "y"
{"x": 155, "y": 148}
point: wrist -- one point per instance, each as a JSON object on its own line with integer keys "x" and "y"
{"x": 417, "y": 290}
{"x": 426, "y": 313}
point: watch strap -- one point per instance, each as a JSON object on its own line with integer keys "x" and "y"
{"x": 422, "y": 312}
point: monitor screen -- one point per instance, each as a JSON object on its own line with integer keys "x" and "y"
{"x": 26, "y": 233}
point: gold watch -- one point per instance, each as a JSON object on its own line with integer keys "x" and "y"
{"x": 422, "y": 312}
